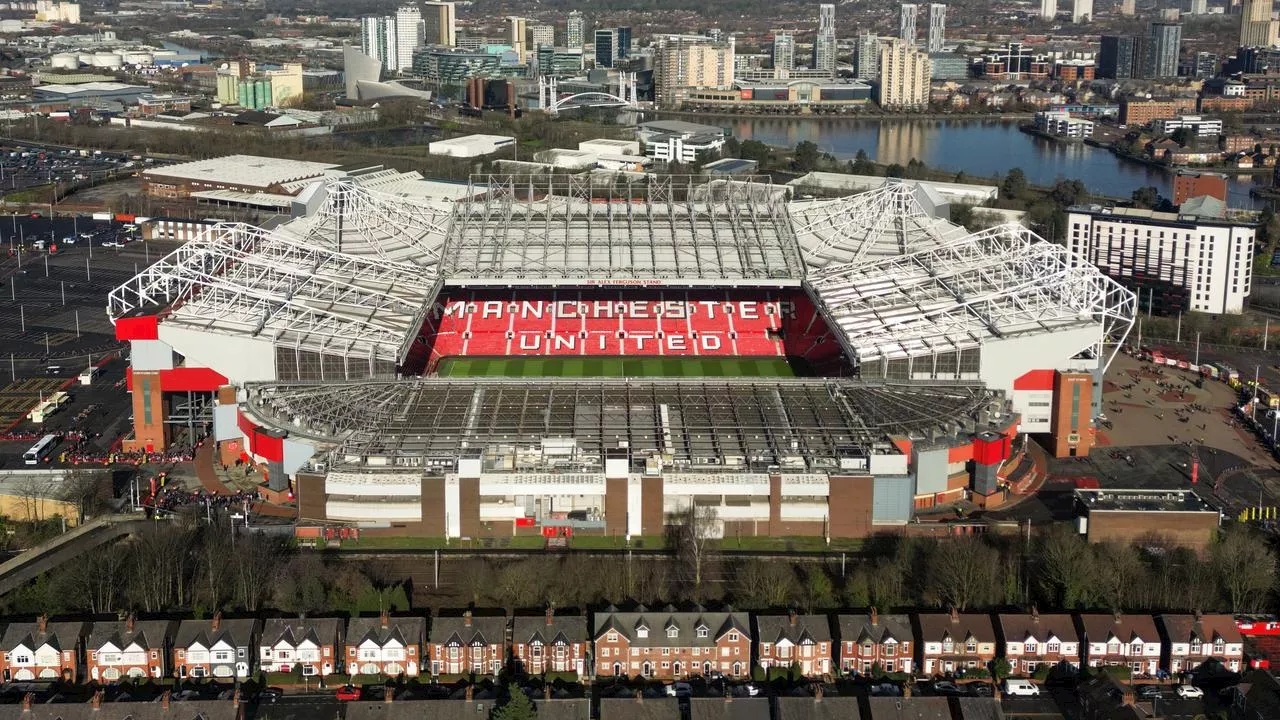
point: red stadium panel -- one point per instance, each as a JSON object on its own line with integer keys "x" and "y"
{"x": 624, "y": 322}
{"x": 143, "y": 327}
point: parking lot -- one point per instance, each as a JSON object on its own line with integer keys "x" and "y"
{"x": 26, "y": 166}
{"x": 53, "y": 325}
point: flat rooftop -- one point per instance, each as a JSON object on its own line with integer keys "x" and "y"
{"x": 1142, "y": 501}
{"x": 243, "y": 170}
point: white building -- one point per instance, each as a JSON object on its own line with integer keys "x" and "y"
{"x": 575, "y": 30}
{"x": 679, "y": 141}
{"x": 1197, "y": 124}
{"x": 937, "y": 27}
{"x": 1060, "y": 122}
{"x": 904, "y": 76}
{"x": 408, "y": 32}
{"x": 378, "y": 39}
{"x": 1048, "y": 9}
{"x": 907, "y": 24}
{"x": 542, "y": 35}
{"x": 1081, "y": 11}
{"x": 470, "y": 145}
{"x": 1207, "y": 263}
{"x": 824, "y": 45}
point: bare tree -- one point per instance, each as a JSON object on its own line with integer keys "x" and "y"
{"x": 765, "y": 584}
{"x": 1246, "y": 569}
{"x": 691, "y": 534}
{"x": 258, "y": 557}
{"x": 87, "y": 490}
{"x": 962, "y": 572}
{"x": 96, "y": 579}
{"x": 1120, "y": 576}
{"x": 1065, "y": 573}
{"x": 32, "y": 491}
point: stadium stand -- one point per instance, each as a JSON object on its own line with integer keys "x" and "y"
{"x": 599, "y": 322}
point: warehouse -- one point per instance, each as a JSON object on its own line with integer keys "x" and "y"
{"x": 244, "y": 173}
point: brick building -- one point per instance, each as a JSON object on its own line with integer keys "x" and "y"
{"x": 872, "y": 639}
{"x": 128, "y": 649}
{"x": 793, "y": 639}
{"x": 1193, "y": 183}
{"x": 1192, "y": 640}
{"x": 1031, "y": 640}
{"x": 551, "y": 643}
{"x": 42, "y": 650}
{"x": 468, "y": 644}
{"x": 1142, "y": 112}
{"x": 672, "y": 645}
{"x": 384, "y": 645}
{"x": 309, "y": 645}
{"x": 955, "y": 641}
{"x": 1118, "y": 639}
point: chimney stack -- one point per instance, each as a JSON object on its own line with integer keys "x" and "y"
{"x": 42, "y": 622}
{"x": 217, "y": 621}
{"x": 384, "y": 619}
{"x": 27, "y": 700}
{"x": 639, "y": 696}
{"x": 551, "y": 615}
{"x": 466, "y": 619}
{"x": 1035, "y": 614}
{"x": 96, "y": 701}
{"x": 390, "y": 695}
{"x": 875, "y": 617}
{"x": 1116, "y": 617}
{"x": 1130, "y": 697}
{"x": 955, "y": 614}
{"x": 164, "y": 700}
{"x": 906, "y": 690}
{"x": 129, "y": 622}
{"x": 470, "y": 693}
{"x": 235, "y": 698}
{"x": 546, "y": 692}
{"x": 817, "y": 694}
{"x": 792, "y": 617}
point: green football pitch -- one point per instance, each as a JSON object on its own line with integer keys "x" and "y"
{"x": 575, "y": 367}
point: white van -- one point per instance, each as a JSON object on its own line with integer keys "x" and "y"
{"x": 1021, "y": 688}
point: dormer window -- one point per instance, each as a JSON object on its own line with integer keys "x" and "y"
{"x": 673, "y": 632}
{"x": 1219, "y": 647}
{"x": 702, "y": 631}
{"x": 971, "y": 646}
{"x": 1052, "y": 648}
{"x": 1196, "y": 645}
{"x": 1030, "y": 647}
{"x": 642, "y": 632}
{"x": 947, "y": 645}
{"x": 1137, "y": 647}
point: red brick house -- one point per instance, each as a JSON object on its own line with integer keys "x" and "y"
{"x": 468, "y": 644}
{"x": 672, "y": 645}
{"x": 871, "y": 640}
{"x": 1192, "y": 640}
{"x": 215, "y": 648}
{"x": 550, "y": 643}
{"x": 128, "y": 649}
{"x": 791, "y": 639}
{"x": 954, "y": 642}
{"x": 1118, "y": 639}
{"x": 306, "y": 645}
{"x": 42, "y": 650}
{"x": 1031, "y": 640}
{"x": 385, "y": 645}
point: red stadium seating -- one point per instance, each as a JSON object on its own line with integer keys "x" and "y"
{"x": 628, "y": 321}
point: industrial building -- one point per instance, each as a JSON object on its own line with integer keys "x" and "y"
{"x": 470, "y": 145}
{"x": 317, "y": 350}
{"x": 1175, "y": 262}
{"x": 1146, "y": 516}
{"x": 243, "y": 173}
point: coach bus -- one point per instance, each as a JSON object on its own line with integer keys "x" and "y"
{"x": 37, "y": 451}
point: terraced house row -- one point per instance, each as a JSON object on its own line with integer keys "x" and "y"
{"x": 667, "y": 644}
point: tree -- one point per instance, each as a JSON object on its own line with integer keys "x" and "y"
{"x": 1065, "y": 573}
{"x": 1001, "y": 669}
{"x": 806, "y": 156}
{"x": 86, "y": 490}
{"x": 754, "y": 150}
{"x": 962, "y": 572}
{"x": 1015, "y": 184}
{"x": 1246, "y": 569}
{"x": 691, "y": 532}
{"x": 862, "y": 165}
{"x": 517, "y": 707}
{"x": 1146, "y": 197}
{"x": 818, "y": 590}
{"x": 895, "y": 171}
{"x": 765, "y": 584}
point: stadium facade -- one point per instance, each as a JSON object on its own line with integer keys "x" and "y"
{"x": 344, "y": 351}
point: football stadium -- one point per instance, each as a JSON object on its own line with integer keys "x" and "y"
{"x": 590, "y": 354}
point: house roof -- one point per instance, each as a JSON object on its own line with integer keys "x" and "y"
{"x": 686, "y": 625}
{"x": 1099, "y": 627}
{"x": 440, "y": 710}
{"x": 667, "y": 708}
{"x": 808, "y": 708}
{"x": 486, "y": 630}
{"x": 148, "y": 634}
{"x": 936, "y": 626}
{"x": 567, "y": 628}
{"x": 59, "y": 635}
{"x": 914, "y": 708}
{"x": 321, "y": 631}
{"x": 408, "y": 630}
{"x": 237, "y": 632}
{"x": 795, "y": 628}
{"x": 188, "y": 710}
{"x": 979, "y": 709}
{"x": 563, "y": 709}
{"x": 728, "y": 709}
{"x": 1205, "y": 628}
{"x": 1017, "y": 627}
{"x": 859, "y": 627}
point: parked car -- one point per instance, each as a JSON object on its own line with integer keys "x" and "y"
{"x": 1023, "y": 688}
{"x": 945, "y": 687}
{"x": 348, "y": 693}
{"x": 270, "y": 695}
{"x": 112, "y": 244}
{"x": 981, "y": 689}
{"x": 1189, "y": 691}
{"x": 886, "y": 689}
{"x": 680, "y": 689}
{"x": 1148, "y": 692}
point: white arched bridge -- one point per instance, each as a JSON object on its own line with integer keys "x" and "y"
{"x": 550, "y": 100}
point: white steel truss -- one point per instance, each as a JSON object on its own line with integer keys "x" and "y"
{"x": 358, "y": 220}
{"x": 998, "y": 283}
{"x": 242, "y": 280}
{"x": 887, "y": 221}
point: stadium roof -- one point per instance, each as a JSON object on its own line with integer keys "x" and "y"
{"x": 242, "y": 280}
{"x": 998, "y": 283}
{"x": 547, "y": 229}
{"x": 797, "y": 424}
{"x": 242, "y": 170}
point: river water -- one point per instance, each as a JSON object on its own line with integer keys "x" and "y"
{"x": 981, "y": 148}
